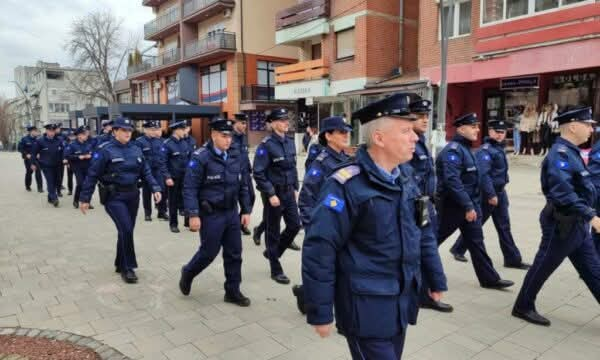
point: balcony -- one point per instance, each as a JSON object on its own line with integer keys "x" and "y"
{"x": 302, "y": 13}
{"x": 153, "y": 3}
{"x": 163, "y": 25}
{"x": 302, "y": 80}
{"x": 198, "y": 10}
{"x": 215, "y": 44}
{"x": 258, "y": 93}
{"x": 152, "y": 63}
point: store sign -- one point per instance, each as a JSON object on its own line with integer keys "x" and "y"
{"x": 525, "y": 82}
{"x": 573, "y": 78}
{"x": 303, "y": 89}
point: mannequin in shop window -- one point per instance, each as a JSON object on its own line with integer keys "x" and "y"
{"x": 528, "y": 123}
{"x": 544, "y": 128}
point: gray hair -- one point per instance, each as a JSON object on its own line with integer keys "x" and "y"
{"x": 371, "y": 127}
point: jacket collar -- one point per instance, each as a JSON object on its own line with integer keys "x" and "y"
{"x": 462, "y": 140}
{"x": 373, "y": 173}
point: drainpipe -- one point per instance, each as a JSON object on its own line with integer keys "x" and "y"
{"x": 401, "y": 42}
{"x": 242, "y": 44}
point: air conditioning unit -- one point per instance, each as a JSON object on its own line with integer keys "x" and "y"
{"x": 227, "y": 13}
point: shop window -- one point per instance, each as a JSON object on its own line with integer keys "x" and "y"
{"x": 146, "y": 92}
{"x": 214, "y": 83}
{"x": 172, "y": 89}
{"x": 460, "y": 21}
{"x": 498, "y": 10}
{"x": 345, "y": 43}
{"x": 266, "y": 72}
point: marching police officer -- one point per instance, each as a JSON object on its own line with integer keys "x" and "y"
{"x": 189, "y": 139}
{"x": 215, "y": 182}
{"x": 25, "y": 147}
{"x": 567, "y": 216}
{"x": 594, "y": 168}
{"x": 493, "y": 169}
{"x": 151, "y": 145}
{"x": 106, "y": 135}
{"x": 118, "y": 166}
{"x": 69, "y": 139}
{"x": 424, "y": 176}
{"x": 276, "y": 178}
{"x": 362, "y": 253}
{"x": 313, "y": 151}
{"x": 333, "y": 138}
{"x": 458, "y": 199}
{"x": 174, "y": 157}
{"x": 240, "y": 144}
{"x": 79, "y": 155}
{"x": 47, "y": 154}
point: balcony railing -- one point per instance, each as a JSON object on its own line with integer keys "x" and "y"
{"x": 153, "y": 2}
{"x": 151, "y": 62}
{"x": 191, "y": 7}
{"x": 162, "y": 22}
{"x": 213, "y": 42}
{"x": 302, "y": 13}
{"x": 258, "y": 93}
{"x": 302, "y": 71}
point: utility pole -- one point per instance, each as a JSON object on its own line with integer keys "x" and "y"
{"x": 443, "y": 88}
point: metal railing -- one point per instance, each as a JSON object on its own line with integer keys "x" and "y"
{"x": 219, "y": 40}
{"x": 150, "y": 62}
{"x": 169, "y": 18}
{"x": 258, "y": 93}
{"x": 302, "y": 13}
{"x": 192, "y": 6}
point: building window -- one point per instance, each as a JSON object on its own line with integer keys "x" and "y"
{"x": 316, "y": 52}
{"x": 460, "y": 21}
{"x": 146, "y": 93}
{"x": 214, "y": 83}
{"x": 345, "y": 43}
{"x": 156, "y": 88}
{"x": 498, "y": 10}
{"x": 266, "y": 72}
{"x": 58, "y": 108}
{"x": 172, "y": 89}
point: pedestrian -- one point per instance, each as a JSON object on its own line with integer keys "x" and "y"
{"x": 458, "y": 199}
{"x": 363, "y": 246}
{"x": 566, "y": 219}
{"x": 215, "y": 183}
{"x": 151, "y": 144}
{"x": 276, "y": 178}
{"x": 70, "y": 138}
{"x": 493, "y": 169}
{"x": 175, "y": 154}
{"x": 79, "y": 155}
{"x": 334, "y": 138}
{"x": 528, "y": 122}
{"x": 47, "y": 154}
{"x": 118, "y": 166}
{"x": 240, "y": 144}
{"x": 25, "y": 147}
{"x": 61, "y": 172}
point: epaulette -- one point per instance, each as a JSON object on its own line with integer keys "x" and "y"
{"x": 486, "y": 146}
{"x": 346, "y": 173}
{"x": 322, "y": 156}
{"x": 562, "y": 149}
{"x": 267, "y": 138}
{"x": 453, "y": 145}
{"x": 199, "y": 151}
{"x": 104, "y": 144}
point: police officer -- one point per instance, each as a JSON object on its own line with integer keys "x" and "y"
{"x": 79, "y": 155}
{"x": 174, "y": 157}
{"x": 47, "y": 154}
{"x": 106, "y": 135}
{"x": 424, "y": 177}
{"x": 458, "y": 199}
{"x": 361, "y": 253}
{"x": 594, "y": 168}
{"x": 151, "y": 144}
{"x": 567, "y": 216}
{"x": 240, "y": 144}
{"x": 493, "y": 169}
{"x": 313, "y": 151}
{"x": 276, "y": 178}
{"x": 119, "y": 165}
{"x": 215, "y": 182}
{"x": 63, "y": 136}
{"x": 333, "y": 138}
{"x": 70, "y": 138}
{"x": 189, "y": 139}
{"x": 25, "y": 147}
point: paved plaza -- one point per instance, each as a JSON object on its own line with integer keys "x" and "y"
{"x": 56, "y": 272}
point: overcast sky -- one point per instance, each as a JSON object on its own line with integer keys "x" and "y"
{"x": 32, "y": 30}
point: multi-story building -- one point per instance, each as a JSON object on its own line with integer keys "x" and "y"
{"x": 212, "y": 51}
{"x": 505, "y": 54}
{"x": 48, "y": 93}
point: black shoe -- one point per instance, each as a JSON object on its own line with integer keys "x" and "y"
{"x": 60, "y": 195}
{"x": 148, "y": 218}
{"x": 281, "y": 279}
{"x": 531, "y": 316}
{"x": 238, "y": 299}
{"x": 163, "y": 217}
{"x": 294, "y": 246}
{"x": 436, "y": 305}
{"x": 256, "y": 236}
{"x": 62, "y": 187}
{"x": 298, "y": 292}
{"x": 520, "y": 266}
{"x": 459, "y": 257}
{"x": 129, "y": 276}
{"x": 55, "y": 203}
{"x": 118, "y": 270}
{"x": 185, "y": 283}
{"x": 40, "y": 190}
{"x": 70, "y": 193}
{"x": 245, "y": 231}
{"x": 28, "y": 189}
{"x": 91, "y": 207}
{"x": 75, "y": 204}
{"x": 175, "y": 229}
{"x": 265, "y": 255}
{"x": 500, "y": 284}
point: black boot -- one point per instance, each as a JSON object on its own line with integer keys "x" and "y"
{"x": 129, "y": 276}
{"x": 256, "y": 236}
{"x": 185, "y": 282}
{"x": 298, "y": 292}
{"x": 238, "y": 299}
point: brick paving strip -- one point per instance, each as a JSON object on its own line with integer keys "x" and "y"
{"x": 70, "y": 346}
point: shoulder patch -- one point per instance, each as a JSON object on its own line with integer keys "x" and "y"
{"x": 563, "y": 165}
{"x": 322, "y": 156}
{"x": 314, "y": 172}
{"x": 562, "y": 149}
{"x": 334, "y": 203}
{"x": 261, "y": 151}
{"x": 192, "y": 164}
{"x": 485, "y": 146}
{"x": 346, "y": 173}
{"x": 452, "y": 157}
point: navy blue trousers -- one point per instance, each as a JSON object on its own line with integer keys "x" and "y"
{"x": 376, "y": 349}
{"x": 501, "y": 218}
{"x": 29, "y": 175}
{"x": 80, "y": 174}
{"x": 277, "y": 242}
{"x": 597, "y": 243}
{"x": 221, "y": 229}
{"x": 452, "y": 218}
{"x": 147, "y": 199}
{"x": 122, "y": 207}
{"x": 51, "y": 174}
{"x": 175, "y": 201}
{"x": 578, "y": 247}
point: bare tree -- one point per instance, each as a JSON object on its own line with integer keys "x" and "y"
{"x": 8, "y": 123}
{"x": 96, "y": 45}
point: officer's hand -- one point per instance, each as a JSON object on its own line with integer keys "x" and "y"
{"x": 33, "y": 168}
{"x": 81, "y": 157}
{"x": 274, "y": 201}
{"x": 493, "y": 201}
{"x": 596, "y": 224}
{"x": 28, "y": 156}
{"x": 436, "y": 295}
{"x": 84, "y": 207}
{"x": 66, "y": 162}
{"x": 296, "y": 194}
{"x": 195, "y": 224}
{"x": 323, "y": 330}
{"x": 169, "y": 182}
{"x": 157, "y": 197}
{"x": 471, "y": 215}
{"x": 245, "y": 219}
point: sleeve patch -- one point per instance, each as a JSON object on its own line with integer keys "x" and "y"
{"x": 334, "y": 203}
{"x": 261, "y": 151}
{"x": 96, "y": 156}
{"x": 192, "y": 164}
{"x": 314, "y": 172}
{"x": 486, "y": 157}
{"x": 453, "y": 158}
{"x": 563, "y": 165}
